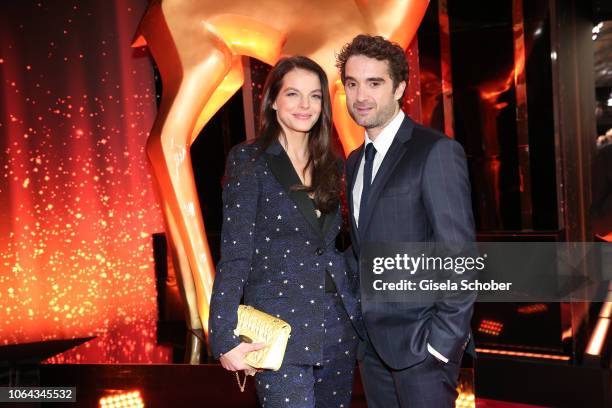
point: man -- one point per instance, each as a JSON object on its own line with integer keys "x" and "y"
{"x": 406, "y": 183}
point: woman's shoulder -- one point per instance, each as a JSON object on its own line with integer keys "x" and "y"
{"x": 244, "y": 160}
{"x": 247, "y": 151}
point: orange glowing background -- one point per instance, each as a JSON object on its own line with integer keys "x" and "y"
{"x": 77, "y": 205}
{"x": 77, "y": 208}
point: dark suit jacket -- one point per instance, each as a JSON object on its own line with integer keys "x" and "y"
{"x": 275, "y": 254}
{"x": 421, "y": 193}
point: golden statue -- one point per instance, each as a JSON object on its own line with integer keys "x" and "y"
{"x": 198, "y": 46}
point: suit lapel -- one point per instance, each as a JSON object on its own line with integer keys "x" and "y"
{"x": 352, "y": 167}
{"x": 331, "y": 226}
{"x": 283, "y": 170}
{"x": 328, "y": 222}
{"x": 392, "y": 158}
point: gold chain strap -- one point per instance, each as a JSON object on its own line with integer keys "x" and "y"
{"x": 243, "y": 385}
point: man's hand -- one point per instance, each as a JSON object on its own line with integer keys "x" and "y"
{"x": 233, "y": 360}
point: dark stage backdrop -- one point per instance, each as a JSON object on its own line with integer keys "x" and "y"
{"x": 77, "y": 207}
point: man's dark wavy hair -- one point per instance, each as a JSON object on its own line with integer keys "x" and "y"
{"x": 379, "y": 48}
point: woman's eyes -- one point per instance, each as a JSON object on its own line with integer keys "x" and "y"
{"x": 316, "y": 96}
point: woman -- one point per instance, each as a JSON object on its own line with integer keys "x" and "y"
{"x": 281, "y": 218}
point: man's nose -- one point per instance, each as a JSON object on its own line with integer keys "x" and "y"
{"x": 360, "y": 93}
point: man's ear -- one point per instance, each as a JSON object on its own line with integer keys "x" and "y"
{"x": 399, "y": 91}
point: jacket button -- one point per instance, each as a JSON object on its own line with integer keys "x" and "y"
{"x": 320, "y": 251}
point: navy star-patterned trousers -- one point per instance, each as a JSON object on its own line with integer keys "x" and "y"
{"x": 326, "y": 385}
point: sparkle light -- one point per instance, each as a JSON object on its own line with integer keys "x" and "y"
{"x": 77, "y": 208}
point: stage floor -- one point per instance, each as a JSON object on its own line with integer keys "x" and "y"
{"x": 172, "y": 385}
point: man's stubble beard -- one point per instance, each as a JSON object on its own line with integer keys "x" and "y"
{"x": 381, "y": 117}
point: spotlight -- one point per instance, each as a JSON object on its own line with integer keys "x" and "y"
{"x": 597, "y": 28}
{"x": 522, "y": 354}
{"x": 531, "y": 309}
{"x": 465, "y": 400}
{"x": 131, "y": 399}
{"x": 490, "y": 327}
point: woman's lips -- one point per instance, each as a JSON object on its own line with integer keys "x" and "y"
{"x": 302, "y": 116}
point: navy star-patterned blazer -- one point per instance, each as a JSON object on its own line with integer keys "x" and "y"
{"x": 275, "y": 255}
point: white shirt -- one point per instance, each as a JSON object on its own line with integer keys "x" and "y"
{"x": 381, "y": 144}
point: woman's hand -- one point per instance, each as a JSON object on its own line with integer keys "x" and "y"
{"x": 233, "y": 360}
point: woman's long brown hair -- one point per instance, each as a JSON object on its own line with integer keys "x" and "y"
{"x": 326, "y": 183}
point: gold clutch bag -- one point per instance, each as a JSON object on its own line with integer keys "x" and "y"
{"x": 255, "y": 326}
